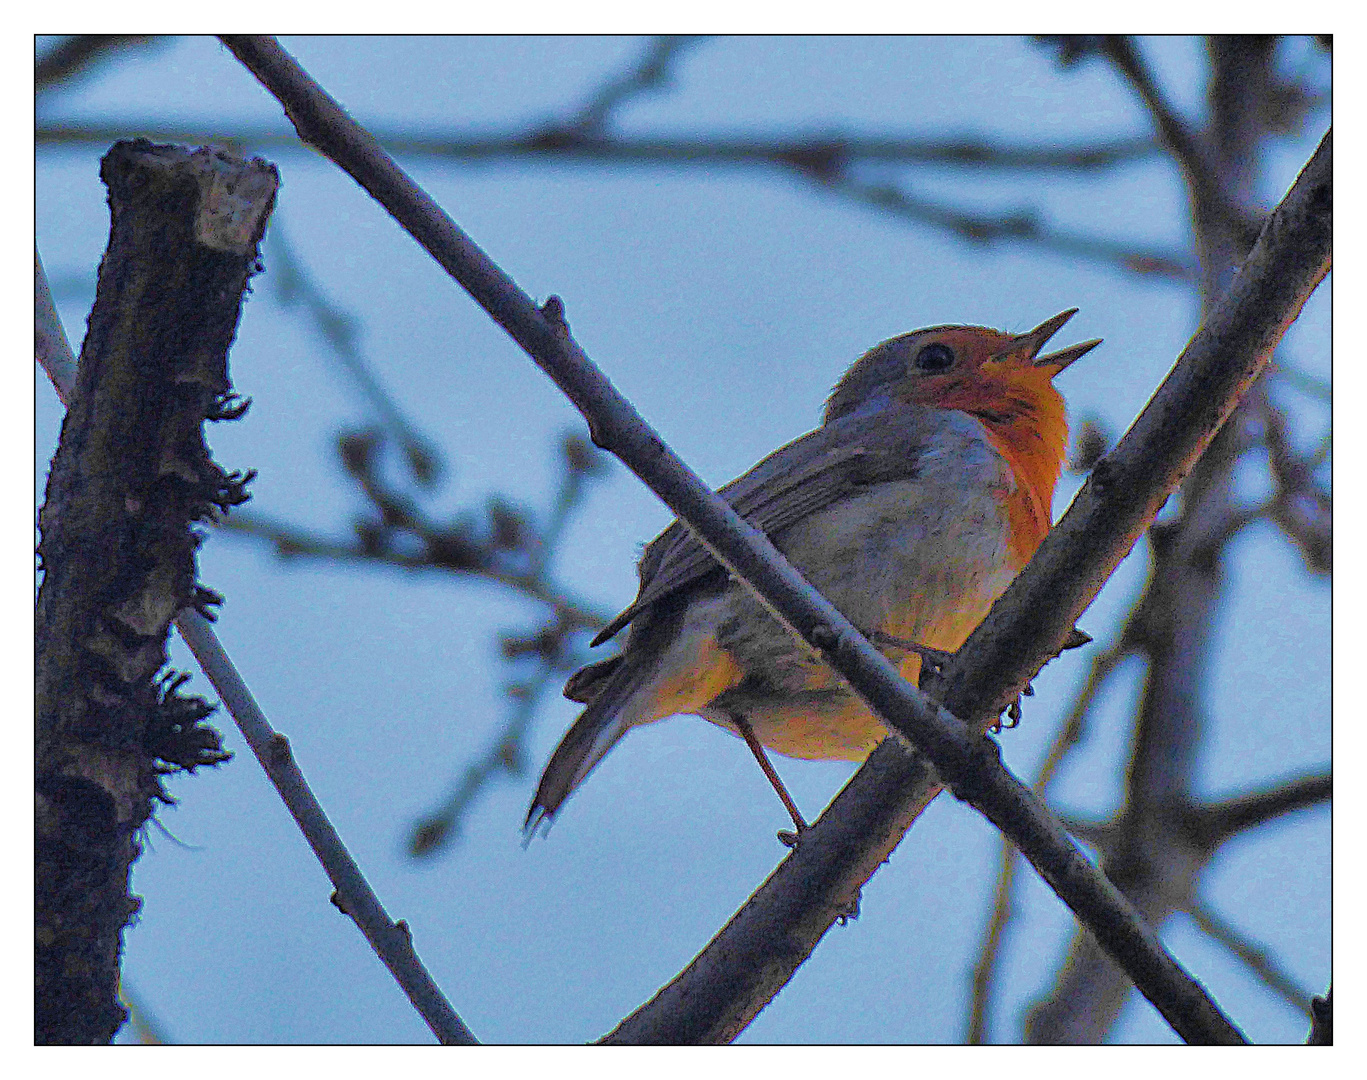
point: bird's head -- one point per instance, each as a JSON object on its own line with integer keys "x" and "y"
{"x": 997, "y": 377}
{"x": 972, "y": 368}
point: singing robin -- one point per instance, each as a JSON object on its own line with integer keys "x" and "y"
{"x": 925, "y": 490}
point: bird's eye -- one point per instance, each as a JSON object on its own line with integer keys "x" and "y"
{"x": 935, "y": 357}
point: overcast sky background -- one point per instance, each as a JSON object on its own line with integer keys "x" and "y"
{"x": 724, "y": 305}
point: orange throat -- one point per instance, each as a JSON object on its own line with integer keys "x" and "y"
{"x": 1030, "y": 432}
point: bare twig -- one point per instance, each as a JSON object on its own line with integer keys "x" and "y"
{"x": 1320, "y": 389}
{"x": 1150, "y": 855}
{"x": 819, "y": 151}
{"x": 1180, "y": 141}
{"x": 293, "y": 284}
{"x": 391, "y": 941}
{"x": 1214, "y": 823}
{"x": 1300, "y": 507}
{"x": 1252, "y": 954}
{"x": 652, "y": 73}
{"x": 507, "y": 753}
{"x": 1022, "y": 226}
{"x": 1248, "y": 325}
{"x": 292, "y": 543}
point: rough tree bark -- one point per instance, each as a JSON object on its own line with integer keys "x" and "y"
{"x": 131, "y": 476}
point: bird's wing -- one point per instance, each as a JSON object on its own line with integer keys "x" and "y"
{"x": 808, "y": 474}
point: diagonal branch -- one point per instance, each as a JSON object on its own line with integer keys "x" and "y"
{"x": 76, "y": 54}
{"x": 293, "y": 284}
{"x": 1252, "y": 954}
{"x": 1003, "y": 911}
{"x": 1125, "y": 491}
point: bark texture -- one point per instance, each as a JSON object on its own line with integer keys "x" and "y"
{"x": 131, "y": 476}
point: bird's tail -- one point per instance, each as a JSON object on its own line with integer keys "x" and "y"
{"x": 610, "y": 713}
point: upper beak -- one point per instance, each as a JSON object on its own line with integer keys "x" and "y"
{"x": 1035, "y": 340}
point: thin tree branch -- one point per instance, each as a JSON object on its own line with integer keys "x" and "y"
{"x": 391, "y": 941}
{"x": 1252, "y": 954}
{"x": 1003, "y": 909}
{"x": 818, "y": 151}
{"x": 650, "y": 74}
{"x": 1022, "y": 226}
{"x": 826, "y": 161}
{"x": 1312, "y": 386}
{"x": 1214, "y": 823}
{"x": 507, "y": 753}
{"x": 293, "y": 284}
{"x": 291, "y": 543}
{"x": 1303, "y": 511}
{"x": 1181, "y": 142}
{"x": 1149, "y": 854}
{"x": 1207, "y": 383}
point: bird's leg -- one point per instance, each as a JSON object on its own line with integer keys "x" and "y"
{"x": 748, "y": 734}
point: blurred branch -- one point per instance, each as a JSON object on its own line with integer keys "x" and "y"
{"x": 141, "y": 1023}
{"x": 551, "y": 647}
{"x": 1183, "y": 144}
{"x": 828, "y": 160}
{"x": 339, "y": 329}
{"x": 76, "y": 55}
{"x": 1214, "y": 823}
{"x": 1320, "y": 389}
{"x": 1246, "y": 327}
{"x": 1253, "y": 955}
{"x": 505, "y": 756}
{"x": 825, "y": 151}
{"x": 504, "y": 548}
{"x": 1300, "y": 507}
{"x": 651, "y": 74}
{"x": 1023, "y": 226}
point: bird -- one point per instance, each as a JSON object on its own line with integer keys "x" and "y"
{"x": 926, "y": 489}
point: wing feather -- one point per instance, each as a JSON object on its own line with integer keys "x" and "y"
{"x": 795, "y": 481}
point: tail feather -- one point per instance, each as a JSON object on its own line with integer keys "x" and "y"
{"x": 606, "y": 719}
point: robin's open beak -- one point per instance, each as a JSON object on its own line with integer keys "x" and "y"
{"x": 1035, "y": 340}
